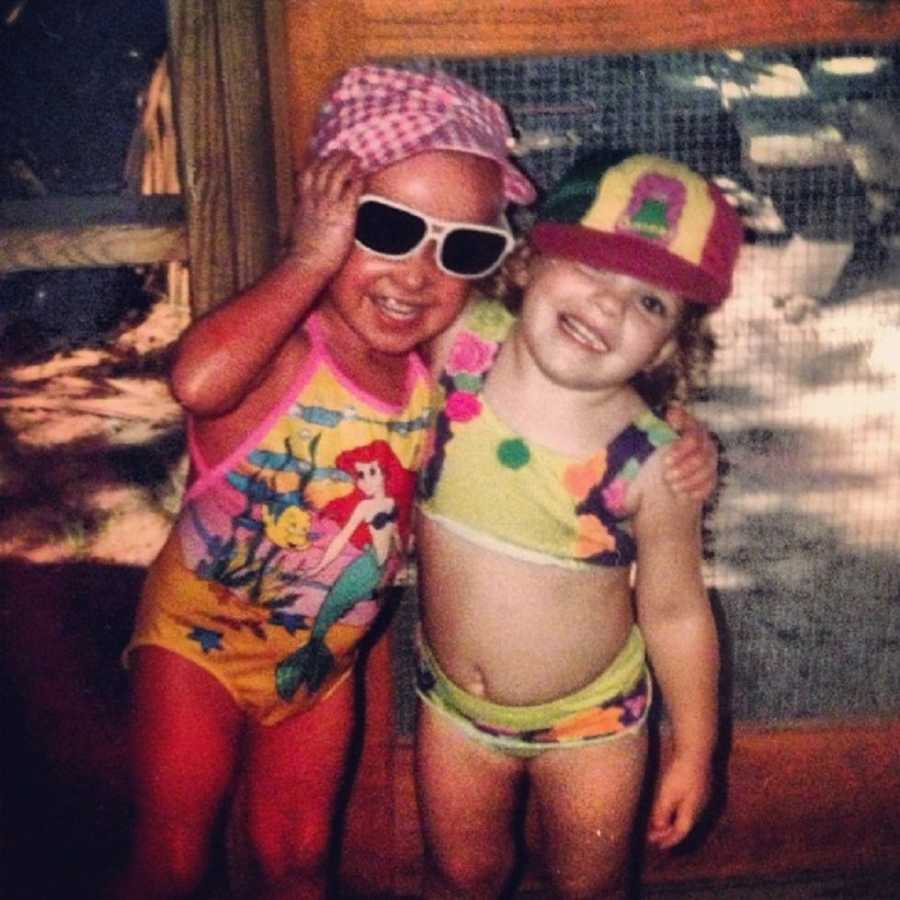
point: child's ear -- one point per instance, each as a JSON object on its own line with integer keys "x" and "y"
{"x": 663, "y": 355}
{"x": 518, "y": 263}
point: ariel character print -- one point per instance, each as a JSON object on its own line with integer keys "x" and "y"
{"x": 375, "y": 519}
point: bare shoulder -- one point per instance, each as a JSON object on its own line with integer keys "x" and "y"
{"x": 658, "y": 509}
{"x": 666, "y": 528}
{"x": 218, "y": 435}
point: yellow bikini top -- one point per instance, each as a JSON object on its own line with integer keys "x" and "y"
{"x": 494, "y": 487}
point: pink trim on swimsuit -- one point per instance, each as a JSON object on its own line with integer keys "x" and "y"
{"x": 415, "y": 369}
{"x": 206, "y": 476}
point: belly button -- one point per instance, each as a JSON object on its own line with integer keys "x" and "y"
{"x": 476, "y": 687}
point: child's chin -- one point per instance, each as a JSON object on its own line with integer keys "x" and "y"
{"x": 395, "y": 344}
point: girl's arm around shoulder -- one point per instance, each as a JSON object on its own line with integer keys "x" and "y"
{"x": 225, "y": 354}
{"x": 675, "y": 616}
{"x": 437, "y": 350}
{"x": 691, "y": 463}
{"x": 486, "y": 317}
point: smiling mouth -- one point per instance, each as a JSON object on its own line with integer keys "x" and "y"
{"x": 396, "y": 309}
{"x": 582, "y": 334}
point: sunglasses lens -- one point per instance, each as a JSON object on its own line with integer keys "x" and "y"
{"x": 384, "y": 229}
{"x": 469, "y": 252}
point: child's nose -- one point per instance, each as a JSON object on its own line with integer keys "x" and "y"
{"x": 416, "y": 270}
{"x": 610, "y": 295}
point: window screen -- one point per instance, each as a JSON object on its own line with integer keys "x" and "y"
{"x": 803, "y": 394}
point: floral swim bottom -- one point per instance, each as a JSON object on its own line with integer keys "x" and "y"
{"x": 615, "y": 704}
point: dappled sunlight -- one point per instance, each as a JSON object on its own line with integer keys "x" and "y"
{"x": 92, "y": 456}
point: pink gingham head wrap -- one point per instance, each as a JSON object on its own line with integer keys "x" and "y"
{"x": 384, "y": 115}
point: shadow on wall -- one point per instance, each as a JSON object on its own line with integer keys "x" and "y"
{"x": 809, "y": 616}
{"x": 91, "y": 441}
{"x": 63, "y": 790}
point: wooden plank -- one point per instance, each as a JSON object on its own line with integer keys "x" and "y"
{"x": 99, "y": 231}
{"x": 803, "y": 797}
{"x": 327, "y": 38}
{"x": 504, "y": 27}
{"x": 323, "y": 40}
{"x": 58, "y": 211}
{"x": 280, "y": 105}
{"x": 200, "y": 128}
{"x": 222, "y": 110}
{"x": 250, "y": 151}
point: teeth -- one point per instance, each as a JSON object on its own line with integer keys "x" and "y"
{"x": 583, "y": 334}
{"x": 396, "y": 308}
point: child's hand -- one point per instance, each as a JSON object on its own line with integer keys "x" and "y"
{"x": 325, "y": 212}
{"x": 682, "y": 796}
{"x": 692, "y": 461}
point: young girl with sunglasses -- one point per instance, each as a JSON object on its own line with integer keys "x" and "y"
{"x": 545, "y": 486}
{"x": 306, "y": 431}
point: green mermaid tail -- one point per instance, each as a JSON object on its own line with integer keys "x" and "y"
{"x": 310, "y": 665}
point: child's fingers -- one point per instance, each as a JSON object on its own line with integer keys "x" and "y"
{"x": 693, "y": 445}
{"x": 325, "y": 211}
{"x": 691, "y": 463}
{"x": 677, "y": 417}
{"x": 667, "y": 826}
{"x": 686, "y": 814}
{"x": 675, "y": 812}
{"x": 668, "y": 837}
{"x": 342, "y": 178}
{"x": 664, "y": 807}
{"x": 330, "y": 176}
{"x": 696, "y": 481}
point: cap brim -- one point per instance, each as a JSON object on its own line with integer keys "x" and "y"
{"x": 629, "y": 256}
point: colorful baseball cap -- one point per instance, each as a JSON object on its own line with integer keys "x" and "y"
{"x": 645, "y": 216}
{"x": 384, "y": 115}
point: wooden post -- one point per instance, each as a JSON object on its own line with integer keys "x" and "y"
{"x": 225, "y": 84}
{"x": 323, "y": 40}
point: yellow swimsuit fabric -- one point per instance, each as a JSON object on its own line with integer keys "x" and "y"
{"x": 495, "y": 488}
{"x": 177, "y": 604}
{"x": 275, "y": 568}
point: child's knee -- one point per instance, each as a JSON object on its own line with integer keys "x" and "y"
{"x": 588, "y": 884}
{"x": 288, "y": 844}
{"x": 473, "y": 871}
{"x": 171, "y": 861}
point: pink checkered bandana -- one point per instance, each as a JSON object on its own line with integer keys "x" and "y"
{"x": 385, "y": 115}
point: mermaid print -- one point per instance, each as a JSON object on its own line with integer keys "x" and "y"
{"x": 374, "y": 519}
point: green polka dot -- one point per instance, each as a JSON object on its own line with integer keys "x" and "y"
{"x": 513, "y": 453}
{"x": 469, "y": 383}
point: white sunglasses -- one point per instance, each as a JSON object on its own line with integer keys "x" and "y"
{"x": 395, "y": 231}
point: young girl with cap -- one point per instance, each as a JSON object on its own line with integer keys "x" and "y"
{"x": 306, "y": 431}
{"x": 544, "y": 489}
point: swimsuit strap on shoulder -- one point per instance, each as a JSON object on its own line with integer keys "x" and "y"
{"x": 313, "y": 327}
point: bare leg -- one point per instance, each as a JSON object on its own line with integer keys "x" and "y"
{"x": 184, "y": 736}
{"x": 292, "y": 779}
{"x": 467, "y": 799}
{"x": 587, "y": 800}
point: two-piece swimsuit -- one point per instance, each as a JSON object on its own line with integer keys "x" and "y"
{"x": 491, "y": 486}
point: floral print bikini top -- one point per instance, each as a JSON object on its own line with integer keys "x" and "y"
{"x": 490, "y": 485}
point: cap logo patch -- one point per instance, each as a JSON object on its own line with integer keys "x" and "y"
{"x": 654, "y": 210}
{"x": 646, "y": 216}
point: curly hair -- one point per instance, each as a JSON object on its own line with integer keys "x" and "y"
{"x": 679, "y": 378}
{"x": 683, "y": 375}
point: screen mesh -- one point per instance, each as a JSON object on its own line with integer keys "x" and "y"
{"x": 805, "y": 531}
